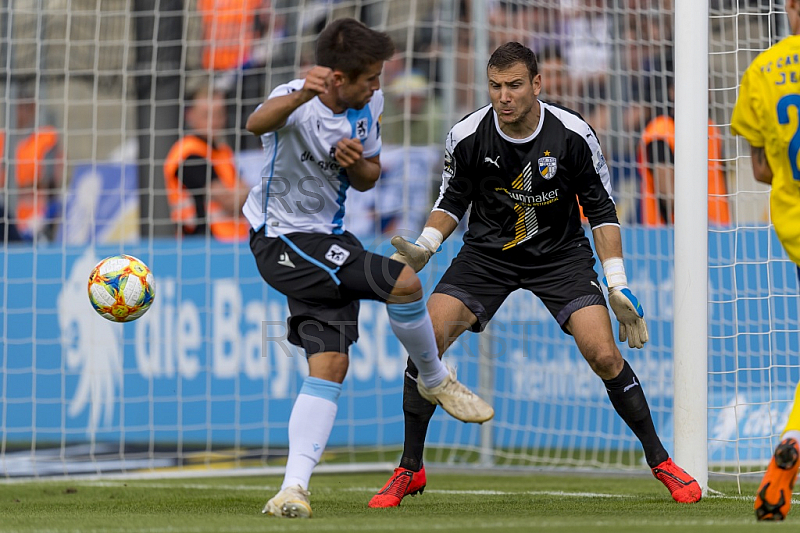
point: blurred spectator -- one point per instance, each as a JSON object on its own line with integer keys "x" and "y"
{"x": 7, "y": 225}
{"x": 229, "y": 30}
{"x": 559, "y": 87}
{"x": 239, "y": 38}
{"x": 536, "y": 23}
{"x": 508, "y": 21}
{"x": 35, "y": 168}
{"x": 657, "y": 171}
{"x": 400, "y": 201}
{"x": 409, "y": 100}
{"x": 587, "y": 52}
{"x": 6, "y": 222}
{"x": 203, "y": 187}
{"x": 546, "y": 26}
{"x": 645, "y": 59}
{"x": 556, "y": 83}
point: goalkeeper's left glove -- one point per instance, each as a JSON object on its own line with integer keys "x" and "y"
{"x": 629, "y": 312}
{"x": 417, "y": 254}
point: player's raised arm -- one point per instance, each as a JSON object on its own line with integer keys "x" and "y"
{"x": 274, "y": 112}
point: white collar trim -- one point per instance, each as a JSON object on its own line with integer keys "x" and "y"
{"x": 527, "y": 139}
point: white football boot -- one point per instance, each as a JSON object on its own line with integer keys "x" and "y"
{"x": 291, "y": 502}
{"x": 455, "y": 398}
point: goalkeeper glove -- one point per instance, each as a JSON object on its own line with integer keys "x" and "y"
{"x": 626, "y": 307}
{"x": 416, "y": 255}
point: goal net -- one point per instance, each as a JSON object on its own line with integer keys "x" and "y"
{"x": 95, "y": 96}
{"x": 753, "y": 287}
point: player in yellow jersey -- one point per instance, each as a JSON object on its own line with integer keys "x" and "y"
{"x": 767, "y": 114}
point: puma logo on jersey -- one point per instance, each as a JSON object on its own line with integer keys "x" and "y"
{"x": 495, "y": 162}
{"x": 285, "y": 261}
{"x": 596, "y": 285}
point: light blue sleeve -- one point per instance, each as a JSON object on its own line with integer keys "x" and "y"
{"x": 372, "y": 144}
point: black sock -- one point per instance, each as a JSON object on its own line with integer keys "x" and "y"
{"x": 417, "y": 412}
{"x": 628, "y": 399}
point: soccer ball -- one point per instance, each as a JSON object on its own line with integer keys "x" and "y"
{"x": 121, "y": 288}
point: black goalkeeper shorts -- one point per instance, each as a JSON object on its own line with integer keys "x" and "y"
{"x": 566, "y": 283}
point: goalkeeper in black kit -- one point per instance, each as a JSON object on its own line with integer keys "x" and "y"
{"x": 523, "y": 166}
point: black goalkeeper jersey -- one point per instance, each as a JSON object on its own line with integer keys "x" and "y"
{"x": 524, "y": 193}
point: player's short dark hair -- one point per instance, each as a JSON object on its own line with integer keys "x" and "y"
{"x": 512, "y": 53}
{"x": 348, "y": 45}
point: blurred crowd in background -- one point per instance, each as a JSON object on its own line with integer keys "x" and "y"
{"x": 98, "y": 95}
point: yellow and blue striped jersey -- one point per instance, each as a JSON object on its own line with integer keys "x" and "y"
{"x": 767, "y": 114}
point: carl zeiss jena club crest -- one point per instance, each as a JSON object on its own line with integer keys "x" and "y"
{"x": 548, "y": 167}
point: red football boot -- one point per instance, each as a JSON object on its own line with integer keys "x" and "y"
{"x": 683, "y": 487}
{"x": 402, "y": 483}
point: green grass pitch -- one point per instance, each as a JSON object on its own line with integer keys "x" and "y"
{"x": 459, "y": 503}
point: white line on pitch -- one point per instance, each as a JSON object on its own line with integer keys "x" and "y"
{"x": 268, "y": 488}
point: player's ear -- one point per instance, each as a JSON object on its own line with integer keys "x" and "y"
{"x": 339, "y": 78}
{"x": 537, "y": 84}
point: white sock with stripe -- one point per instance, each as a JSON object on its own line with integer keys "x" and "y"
{"x": 411, "y": 324}
{"x": 310, "y": 426}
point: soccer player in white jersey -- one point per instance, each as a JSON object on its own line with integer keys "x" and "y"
{"x": 321, "y": 135}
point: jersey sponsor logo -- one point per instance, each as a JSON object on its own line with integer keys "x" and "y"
{"x": 361, "y": 128}
{"x": 548, "y": 166}
{"x": 337, "y": 255}
{"x": 492, "y": 161}
{"x": 528, "y": 199}
{"x": 326, "y": 165}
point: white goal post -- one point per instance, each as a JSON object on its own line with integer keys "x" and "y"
{"x": 691, "y": 241}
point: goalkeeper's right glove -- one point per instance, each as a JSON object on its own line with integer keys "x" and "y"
{"x": 417, "y": 254}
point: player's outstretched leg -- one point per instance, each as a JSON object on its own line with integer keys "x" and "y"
{"x": 409, "y": 478}
{"x": 628, "y": 399}
{"x": 412, "y": 326}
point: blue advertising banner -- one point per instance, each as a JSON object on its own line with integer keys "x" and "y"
{"x": 209, "y": 361}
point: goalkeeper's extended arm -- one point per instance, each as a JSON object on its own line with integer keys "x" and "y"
{"x": 626, "y": 307}
{"x": 416, "y": 254}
